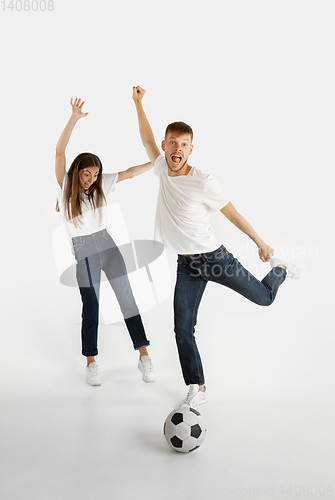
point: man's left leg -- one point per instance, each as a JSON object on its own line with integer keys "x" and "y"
{"x": 222, "y": 267}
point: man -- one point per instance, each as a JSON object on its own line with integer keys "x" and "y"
{"x": 186, "y": 198}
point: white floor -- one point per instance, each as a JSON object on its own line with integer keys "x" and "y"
{"x": 270, "y": 415}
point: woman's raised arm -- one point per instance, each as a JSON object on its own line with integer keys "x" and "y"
{"x": 64, "y": 139}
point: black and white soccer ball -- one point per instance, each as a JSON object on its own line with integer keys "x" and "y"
{"x": 185, "y": 429}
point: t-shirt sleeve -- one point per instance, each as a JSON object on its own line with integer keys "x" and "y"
{"x": 108, "y": 182}
{"x": 214, "y": 197}
{"x": 159, "y": 164}
{"x": 61, "y": 190}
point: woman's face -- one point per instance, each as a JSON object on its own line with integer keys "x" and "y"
{"x": 87, "y": 176}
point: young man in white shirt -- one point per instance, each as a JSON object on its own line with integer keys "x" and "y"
{"x": 186, "y": 198}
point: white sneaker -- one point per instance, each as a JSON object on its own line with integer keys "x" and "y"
{"x": 145, "y": 366}
{"x": 292, "y": 271}
{"x": 194, "y": 397}
{"x": 92, "y": 375}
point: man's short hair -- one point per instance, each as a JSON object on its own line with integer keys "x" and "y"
{"x": 179, "y": 128}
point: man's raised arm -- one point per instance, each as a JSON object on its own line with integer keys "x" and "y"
{"x": 146, "y": 133}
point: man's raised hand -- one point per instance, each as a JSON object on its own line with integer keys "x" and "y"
{"x": 146, "y": 133}
{"x": 265, "y": 253}
{"x": 77, "y": 106}
{"x": 138, "y": 93}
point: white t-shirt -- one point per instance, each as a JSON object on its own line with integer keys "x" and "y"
{"x": 89, "y": 222}
{"x": 184, "y": 207}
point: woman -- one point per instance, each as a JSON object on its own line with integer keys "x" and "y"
{"x": 82, "y": 203}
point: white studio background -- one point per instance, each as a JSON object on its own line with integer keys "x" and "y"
{"x": 255, "y": 80}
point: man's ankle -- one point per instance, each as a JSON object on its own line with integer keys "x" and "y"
{"x": 283, "y": 267}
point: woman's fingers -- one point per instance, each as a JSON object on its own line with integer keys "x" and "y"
{"x": 77, "y": 106}
{"x": 77, "y": 103}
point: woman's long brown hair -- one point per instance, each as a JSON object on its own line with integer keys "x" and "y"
{"x": 74, "y": 192}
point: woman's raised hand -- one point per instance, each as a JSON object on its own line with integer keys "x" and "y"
{"x": 77, "y": 106}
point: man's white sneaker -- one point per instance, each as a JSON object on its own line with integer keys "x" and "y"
{"x": 92, "y": 374}
{"x": 145, "y": 366}
{"x": 292, "y": 271}
{"x": 194, "y": 397}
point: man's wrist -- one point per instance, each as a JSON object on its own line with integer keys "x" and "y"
{"x": 259, "y": 242}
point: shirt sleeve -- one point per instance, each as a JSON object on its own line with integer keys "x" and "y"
{"x": 108, "y": 182}
{"x": 159, "y": 164}
{"x": 61, "y": 190}
{"x": 214, "y": 197}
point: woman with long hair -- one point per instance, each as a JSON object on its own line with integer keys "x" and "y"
{"x": 81, "y": 201}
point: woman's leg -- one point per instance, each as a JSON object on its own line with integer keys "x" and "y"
{"x": 113, "y": 265}
{"x": 88, "y": 277}
{"x": 115, "y": 269}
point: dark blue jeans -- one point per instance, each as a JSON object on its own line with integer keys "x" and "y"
{"x": 193, "y": 274}
{"x": 95, "y": 253}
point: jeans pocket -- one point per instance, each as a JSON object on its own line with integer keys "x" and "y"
{"x": 180, "y": 261}
{"x": 106, "y": 240}
{"x": 182, "y": 264}
{"x": 105, "y": 235}
{"x": 216, "y": 255}
{"x": 77, "y": 245}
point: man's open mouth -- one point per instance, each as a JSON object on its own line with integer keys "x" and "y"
{"x": 176, "y": 159}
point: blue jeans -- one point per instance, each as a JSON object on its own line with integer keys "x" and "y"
{"x": 193, "y": 274}
{"x": 96, "y": 252}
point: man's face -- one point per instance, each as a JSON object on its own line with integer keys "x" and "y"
{"x": 177, "y": 150}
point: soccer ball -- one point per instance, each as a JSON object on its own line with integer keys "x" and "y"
{"x": 185, "y": 429}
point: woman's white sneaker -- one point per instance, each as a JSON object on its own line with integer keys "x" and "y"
{"x": 292, "y": 271}
{"x": 92, "y": 374}
{"x": 145, "y": 366}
